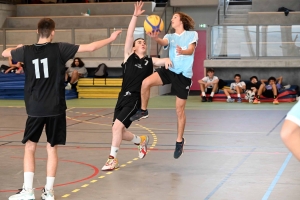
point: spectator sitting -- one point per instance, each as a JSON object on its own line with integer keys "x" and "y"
{"x": 252, "y": 88}
{"x": 209, "y": 85}
{"x": 73, "y": 73}
{"x": 14, "y": 67}
{"x": 237, "y": 87}
{"x": 270, "y": 90}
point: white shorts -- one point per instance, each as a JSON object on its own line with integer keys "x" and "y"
{"x": 294, "y": 114}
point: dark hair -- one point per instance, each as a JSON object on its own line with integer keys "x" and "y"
{"x": 133, "y": 45}
{"x": 81, "y": 64}
{"x": 237, "y": 75}
{"x": 210, "y": 70}
{"x": 187, "y": 21}
{"x": 45, "y": 27}
{"x": 272, "y": 78}
{"x": 252, "y": 77}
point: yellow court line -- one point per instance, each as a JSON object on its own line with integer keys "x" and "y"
{"x": 85, "y": 185}
{"x": 123, "y": 165}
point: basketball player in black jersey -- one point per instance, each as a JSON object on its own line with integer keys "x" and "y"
{"x": 44, "y": 67}
{"x": 136, "y": 67}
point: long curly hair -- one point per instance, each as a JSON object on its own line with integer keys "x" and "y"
{"x": 187, "y": 21}
{"x": 81, "y": 64}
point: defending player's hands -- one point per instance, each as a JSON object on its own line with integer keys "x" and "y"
{"x": 115, "y": 34}
{"x": 168, "y": 63}
{"x": 138, "y": 8}
{"x": 179, "y": 50}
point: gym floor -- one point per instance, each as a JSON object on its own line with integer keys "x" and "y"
{"x": 232, "y": 152}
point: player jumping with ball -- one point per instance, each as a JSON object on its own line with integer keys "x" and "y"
{"x": 182, "y": 46}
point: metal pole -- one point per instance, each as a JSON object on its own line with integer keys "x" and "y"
{"x": 108, "y": 46}
{"x": 257, "y": 42}
{"x": 219, "y": 16}
{"x": 224, "y": 9}
{"x": 73, "y": 35}
{"x": 4, "y": 39}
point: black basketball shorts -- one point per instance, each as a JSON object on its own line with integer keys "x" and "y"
{"x": 180, "y": 84}
{"x": 55, "y": 128}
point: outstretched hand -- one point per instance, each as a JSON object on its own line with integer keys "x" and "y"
{"x": 138, "y": 8}
{"x": 115, "y": 34}
{"x": 153, "y": 34}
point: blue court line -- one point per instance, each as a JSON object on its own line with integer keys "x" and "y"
{"x": 271, "y": 187}
{"x": 228, "y": 175}
{"x": 276, "y": 125}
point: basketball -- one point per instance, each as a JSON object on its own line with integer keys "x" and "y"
{"x": 153, "y": 23}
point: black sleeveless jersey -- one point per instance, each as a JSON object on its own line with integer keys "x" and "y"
{"x": 135, "y": 70}
{"x": 44, "y": 68}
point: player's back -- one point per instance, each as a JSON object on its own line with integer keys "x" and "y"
{"x": 44, "y": 83}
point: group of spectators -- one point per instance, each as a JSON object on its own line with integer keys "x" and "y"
{"x": 269, "y": 88}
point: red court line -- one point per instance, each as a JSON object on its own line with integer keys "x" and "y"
{"x": 155, "y": 149}
{"x": 96, "y": 171}
{"x": 3, "y": 136}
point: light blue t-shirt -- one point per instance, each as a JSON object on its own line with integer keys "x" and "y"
{"x": 181, "y": 63}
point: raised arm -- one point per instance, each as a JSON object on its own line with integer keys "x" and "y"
{"x": 7, "y": 52}
{"x": 98, "y": 44}
{"x": 154, "y": 35}
{"x": 129, "y": 37}
{"x": 279, "y": 80}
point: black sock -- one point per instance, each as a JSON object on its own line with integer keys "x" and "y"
{"x": 179, "y": 142}
{"x": 275, "y": 96}
{"x": 143, "y": 110}
{"x": 258, "y": 96}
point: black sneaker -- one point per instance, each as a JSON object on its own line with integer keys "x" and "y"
{"x": 179, "y": 149}
{"x": 209, "y": 99}
{"x": 139, "y": 115}
{"x": 203, "y": 99}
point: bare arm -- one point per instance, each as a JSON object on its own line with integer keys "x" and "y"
{"x": 129, "y": 37}
{"x": 162, "y": 61}
{"x": 7, "y": 52}
{"x": 162, "y": 42}
{"x": 279, "y": 80}
{"x": 189, "y": 51}
{"x": 98, "y": 44}
{"x": 263, "y": 81}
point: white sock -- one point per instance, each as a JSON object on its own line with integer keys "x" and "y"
{"x": 28, "y": 180}
{"x": 136, "y": 139}
{"x": 114, "y": 151}
{"x": 212, "y": 94}
{"x": 228, "y": 97}
{"x": 203, "y": 94}
{"x": 49, "y": 183}
{"x": 239, "y": 95}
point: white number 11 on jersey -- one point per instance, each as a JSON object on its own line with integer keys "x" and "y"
{"x": 37, "y": 68}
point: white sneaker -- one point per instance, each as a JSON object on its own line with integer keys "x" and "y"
{"x": 47, "y": 194}
{"x": 23, "y": 195}
{"x": 68, "y": 87}
{"x": 143, "y": 146}
{"x": 111, "y": 164}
